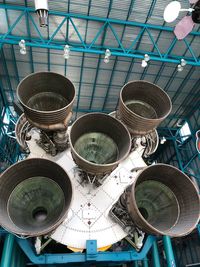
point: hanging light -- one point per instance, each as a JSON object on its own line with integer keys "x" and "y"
{"x": 66, "y": 54}
{"x": 146, "y": 57}
{"x": 107, "y": 56}
{"x": 145, "y": 60}
{"x": 182, "y": 64}
{"x": 42, "y": 10}
{"x": 179, "y": 68}
{"x": 144, "y": 63}
{"x": 22, "y": 45}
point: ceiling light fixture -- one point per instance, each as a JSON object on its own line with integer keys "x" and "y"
{"x": 144, "y": 63}
{"x": 66, "y": 52}
{"x": 22, "y": 45}
{"x": 107, "y": 56}
{"x": 42, "y": 10}
{"x": 179, "y": 68}
{"x": 145, "y": 60}
{"x": 146, "y": 57}
{"x": 182, "y": 64}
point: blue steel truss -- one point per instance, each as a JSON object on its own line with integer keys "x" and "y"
{"x": 184, "y": 152}
{"x": 132, "y": 51}
{"x": 103, "y": 24}
{"x": 90, "y": 256}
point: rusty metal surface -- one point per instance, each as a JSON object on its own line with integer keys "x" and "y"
{"x": 47, "y": 98}
{"x": 143, "y": 106}
{"x": 102, "y": 127}
{"x": 169, "y": 201}
{"x": 35, "y": 196}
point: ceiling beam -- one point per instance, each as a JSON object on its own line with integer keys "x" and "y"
{"x": 119, "y": 49}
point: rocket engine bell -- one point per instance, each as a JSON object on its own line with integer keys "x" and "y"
{"x": 163, "y": 200}
{"x": 47, "y": 99}
{"x": 35, "y": 195}
{"x": 143, "y": 106}
{"x": 98, "y": 143}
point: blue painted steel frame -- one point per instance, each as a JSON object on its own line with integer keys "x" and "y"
{"x": 169, "y": 251}
{"x": 91, "y": 254}
{"x": 9, "y": 148}
{"x": 7, "y": 251}
{"x": 155, "y": 255}
{"x": 181, "y": 148}
{"x": 104, "y": 23}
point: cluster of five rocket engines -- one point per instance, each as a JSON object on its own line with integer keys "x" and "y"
{"x": 99, "y": 143}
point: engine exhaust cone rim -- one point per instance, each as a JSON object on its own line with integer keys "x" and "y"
{"x": 149, "y": 224}
{"x": 16, "y": 229}
{"x": 152, "y": 229}
{"x": 135, "y": 114}
{"x": 45, "y": 112}
{"x": 95, "y": 164}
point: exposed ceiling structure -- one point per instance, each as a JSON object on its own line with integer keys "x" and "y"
{"x": 129, "y": 29}
{"x": 99, "y": 46}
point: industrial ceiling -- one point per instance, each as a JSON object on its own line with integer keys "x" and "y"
{"x": 129, "y": 29}
{"x": 79, "y": 37}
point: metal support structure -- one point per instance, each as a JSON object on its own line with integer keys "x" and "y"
{"x": 9, "y": 149}
{"x": 169, "y": 251}
{"x": 198, "y": 228}
{"x": 91, "y": 254}
{"x": 155, "y": 254}
{"x": 194, "y": 93}
{"x": 91, "y": 249}
{"x": 12, "y": 255}
{"x": 91, "y": 47}
{"x": 7, "y": 251}
{"x": 145, "y": 262}
{"x": 182, "y": 149}
{"x": 17, "y": 257}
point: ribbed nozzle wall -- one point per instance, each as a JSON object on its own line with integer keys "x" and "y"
{"x": 143, "y": 106}
{"x": 163, "y": 200}
{"x": 35, "y": 196}
{"x": 47, "y": 99}
{"x": 99, "y": 142}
